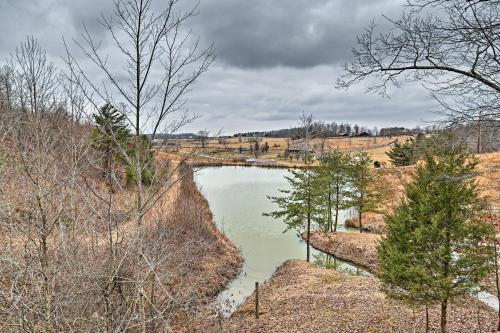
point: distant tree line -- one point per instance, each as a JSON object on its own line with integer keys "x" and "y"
{"x": 333, "y": 129}
{"x": 480, "y": 137}
{"x": 413, "y": 149}
{"x": 395, "y": 131}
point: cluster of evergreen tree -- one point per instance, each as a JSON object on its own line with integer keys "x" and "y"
{"x": 409, "y": 152}
{"x": 317, "y": 196}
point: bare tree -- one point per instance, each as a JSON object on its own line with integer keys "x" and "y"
{"x": 203, "y": 135}
{"x": 451, "y": 46}
{"x": 35, "y": 80}
{"x": 43, "y": 154}
{"x": 44, "y": 163}
{"x": 158, "y": 65}
{"x": 6, "y": 87}
{"x": 74, "y": 101}
{"x": 305, "y": 132}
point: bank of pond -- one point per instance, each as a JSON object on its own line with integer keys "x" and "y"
{"x": 237, "y": 196}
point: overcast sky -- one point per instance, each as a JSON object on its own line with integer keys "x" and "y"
{"x": 275, "y": 59}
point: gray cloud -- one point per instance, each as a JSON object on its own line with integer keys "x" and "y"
{"x": 299, "y": 33}
{"x": 48, "y": 21}
{"x": 245, "y": 100}
{"x": 275, "y": 58}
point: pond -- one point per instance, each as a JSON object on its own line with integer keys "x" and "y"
{"x": 238, "y": 198}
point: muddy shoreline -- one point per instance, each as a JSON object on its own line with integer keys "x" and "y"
{"x": 277, "y": 165}
{"x": 358, "y": 248}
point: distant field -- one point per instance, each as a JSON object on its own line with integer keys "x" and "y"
{"x": 229, "y": 148}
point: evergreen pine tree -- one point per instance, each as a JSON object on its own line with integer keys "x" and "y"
{"x": 409, "y": 152}
{"x": 333, "y": 188}
{"x": 297, "y": 207}
{"x": 435, "y": 248}
{"x": 401, "y": 154}
{"x": 110, "y": 135}
{"x": 364, "y": 195}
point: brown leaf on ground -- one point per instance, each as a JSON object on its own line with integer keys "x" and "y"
{"x": 303, "y": 298}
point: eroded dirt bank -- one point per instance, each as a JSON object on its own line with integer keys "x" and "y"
{"x": 303, "y": 298}
{"x": 218, "y": 261}
{"x": 359, "y": 248}
{"x": 372, "y": 222}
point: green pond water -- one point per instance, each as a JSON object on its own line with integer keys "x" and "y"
{"x": 238, "y": 198}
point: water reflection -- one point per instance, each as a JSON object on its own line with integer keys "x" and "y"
{"x": 237, "y": 198}
{"x": 329, "y": 261}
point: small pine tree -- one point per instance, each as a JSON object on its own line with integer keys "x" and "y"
{"x": 401, "y": 154}
{"x": 333, "y": 188}
{"x": 364, "y": 195}
{"x": 409, "y": 152}
{"x": 297, "y": 207}
{"x": 110, "y": 136}
{"x": 435, "y": 246}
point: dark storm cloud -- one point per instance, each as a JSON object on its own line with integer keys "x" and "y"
{"x": 275, "y": 58}
{"x": 257, "y": 33}
{"x": 299, "y": 33}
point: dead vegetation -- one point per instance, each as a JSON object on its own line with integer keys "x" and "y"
{"x": 98, "y": 234}
{"x": 69, "y": 259}
{"x": 392, "y": 182}
{"x": 304, "y": 298}
{"x": 226, "y": 151}
{"x": 357, "y": 248}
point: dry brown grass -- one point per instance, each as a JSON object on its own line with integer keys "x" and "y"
{"x": 489, "y": 179}
{"x": 357, "y": 248}
{"x": 392, "y": 182}
{"x": 304, "y": 298}
{"x": 376, "y": 146}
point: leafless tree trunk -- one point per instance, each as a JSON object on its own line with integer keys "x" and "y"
{"x": 6, "y": 87}
{"x": 305, "y": 132}
{"x": 36, "y": 82}
{"x": 162, "y": 63}
{"x": 203, "y": 135}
